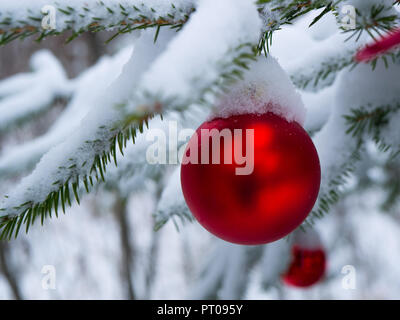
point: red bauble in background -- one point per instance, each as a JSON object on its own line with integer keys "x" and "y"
{"x": 265, "y": 205}
{"x": 381, "y": 46}
{"x": 307, "y": 267}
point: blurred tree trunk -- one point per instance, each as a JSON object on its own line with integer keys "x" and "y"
{"x": 126, "y": 247}
{"x": 7, "y": 272}
{"x": 154, "y": 247}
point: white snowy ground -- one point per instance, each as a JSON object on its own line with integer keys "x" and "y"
{"x": 84, "y": 245}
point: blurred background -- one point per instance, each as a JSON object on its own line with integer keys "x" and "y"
{"x": 106, "y": 248}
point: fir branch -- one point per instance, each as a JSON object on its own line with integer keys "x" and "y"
{"x": 362, "y": 123}
{"x": 366, "y": 120}
{"x": 323, "y": 74}
{"x": 172, "y": 205}
{"x": 226, "y": 273}
{"x": 93, "y": 16}
{"x": 23, "y": 157}
{"x": 215, "y": 70}
{"x": 66, "y": 191}
{"x": 145, "y": 102}
{"x": 374, "y": 122}
{"x": 377, "y": 21}
{"x": 29, "y": 95}
{"x": 332, "y": 195}
{"x": 228, "y": 73}
{"x": 391, "y": 186}
{"x": 276, "y": 13}
{"x": 313, "y": 73}
{"x": 83, "y": 158}
{"x": 19, "y": 119}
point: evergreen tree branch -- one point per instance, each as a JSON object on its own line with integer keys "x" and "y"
{"x": 277, "y": 13}
{"x": 314, "y": 76}
{"x": 81, "y": 16}
{"x": 227, "y": 271}
{"x": 23, "y": 157}
{"x": 387, "y": 137}
{"x": 366, "y": 122}
{"x": 375, "y": 20}
{"x": 319, "y": 70}
{"x": 391, "y": 185}
{"x": 172, "y": 204}
{"x": 169, "y": 86}
{"x": 91, "y": 149}
{"x": 84, "y": 156}
{"x": 24, "y": 96}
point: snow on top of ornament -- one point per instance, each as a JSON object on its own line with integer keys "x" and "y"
{"x": 265, "y": 88}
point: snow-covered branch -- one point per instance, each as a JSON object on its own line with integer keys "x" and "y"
{"x": 172, "y": 203}
{"x": 374, "y": 90}
{"x": 320, "y": 68}
{"x": 26, "y": 95}
{"x": 274, "y": 261}
{"x": 277, "y": 13}
{"x": 136, "y": 166}
{"x": 23, "y": 18}
{"x": 84, "y": 155}
{"x": 23, "y": 157}
{"x": 226, "y": 274}
{"x": 195, "y": 64}
{"x": 372, "y": 17}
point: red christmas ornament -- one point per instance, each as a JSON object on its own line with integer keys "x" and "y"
{"x": 266, "y": 204}
{"x": 381, "y": 46}
{"x": 306, "y": 268}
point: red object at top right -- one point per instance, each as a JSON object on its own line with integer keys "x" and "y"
{"x": 386, "y": 43}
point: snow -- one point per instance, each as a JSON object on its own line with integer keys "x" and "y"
{"x": 84, "y": 91}
{"x": 327, "y": 26}
{"x": 234, "y": 277}
{"x": 74, "y": 156}
{"x": 299, "y": 36}
{"x": 172, "y": 203}
{"x": 361, "y": 87}
{"x": 264, "y": 88}
{"x": 274, "y": 262}
{"x": 84, "y": 12}
{"x": 391, "y": 133}
{"x": 185, "y": 70}
{"x": 319, "y": 107}
{"x": 29, "y": 94}
{"x": 329, "y": 55}
{"x": 225, "y": 272}
{"x": 84, "y": 246}
{"x": 380, "y": 89}
{"x": 364, "y": 6}
{"x": 134, "y": 169}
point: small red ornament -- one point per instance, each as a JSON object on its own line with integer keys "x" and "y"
{"x": 307, "y": 267}
{"x": 381, "y": 46}
{"x": 265, "y": 205}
